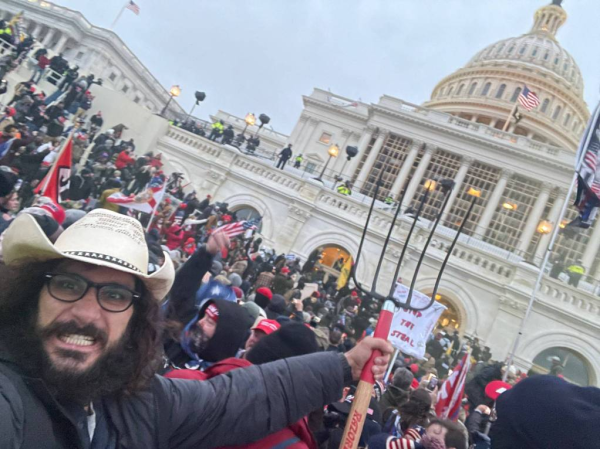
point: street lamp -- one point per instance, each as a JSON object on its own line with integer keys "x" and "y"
{"x": 264, "y": 120}
{"x": 545, "y": 227}
{"x": 250, "y": 120}
{"x": 510, "y": 206}
{"x": 430, "y": 185}
{"x": 333, "y": 151}
{"x": 174, "y": 92}
{"x": 200, "y": 96}
{"x": 351, "y": 151}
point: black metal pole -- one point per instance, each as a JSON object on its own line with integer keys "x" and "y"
{"x": 191, "y": 111}
{"x": 320, "y": 178}
{"x": 164, "y": 111}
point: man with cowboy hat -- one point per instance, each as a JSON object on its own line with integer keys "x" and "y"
{"x": 80, "y": 341}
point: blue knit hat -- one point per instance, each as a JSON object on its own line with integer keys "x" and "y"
{"x": 547, "y": 412}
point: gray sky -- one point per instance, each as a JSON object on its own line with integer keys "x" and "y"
{"x": 261, "y": 56}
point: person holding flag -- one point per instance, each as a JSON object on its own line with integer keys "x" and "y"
{"x": 528, "y": 99}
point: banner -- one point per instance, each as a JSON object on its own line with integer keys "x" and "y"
{"x": 56, "y": 183}
{"x": 345, "y": 273}
{"x": 411, "y": 328}
{"x": 144, "y": 202}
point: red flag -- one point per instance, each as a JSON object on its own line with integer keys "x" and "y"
{"x": 56, "y": 183}
{"x": 451, "y": 393}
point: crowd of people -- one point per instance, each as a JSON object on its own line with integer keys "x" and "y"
{"x": 104, "y": 310}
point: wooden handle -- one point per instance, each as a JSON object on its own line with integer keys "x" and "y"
{"x": 357, "y": 416}
{"x": 362, "y": 398}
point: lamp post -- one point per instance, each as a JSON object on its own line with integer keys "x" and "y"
{"x": 264, "y": 120}
{"x": 545, "y": 227}
{"x": 351, "y": 151}
{"x": 200, "y": 96}
{"x": 333, "y": 151}
{"x": 250, "y": 120}
{"x": 174, "y": 92}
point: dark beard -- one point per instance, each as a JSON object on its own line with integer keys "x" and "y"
{"x": 106, "y": 376}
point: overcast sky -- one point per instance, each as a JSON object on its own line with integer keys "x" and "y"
{"x": 261, "y": 56}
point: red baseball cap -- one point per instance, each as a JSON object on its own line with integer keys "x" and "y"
{"x": 265, "y": 292}
{"x": 267, "y": 326}
{"x": 495, "y": 388}
{"x": 414, "y": 368}
{"x": 285, "y": 270}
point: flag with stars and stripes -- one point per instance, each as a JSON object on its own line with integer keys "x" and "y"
{"x": 528, "y": 99}
{"x": 132, "y": 6}
{"x": 237, "y": 228}
{"x": 588, "y": 178}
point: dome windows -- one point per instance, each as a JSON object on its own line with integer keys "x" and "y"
{"x": 546, "y": 56}
{"x": 567, "y": 120}
{"x": 500, "y": 91}
{"x": 556, "y": 112}
{"x": 486, "y": 89}
{"x": 511, "y": 49}
{"x": 522, "y": 50}
{"x": 534, "y": 52}
{"x": 515, "y": 95}
{"x": 545, "y": 106}
{"x": 472, "y": 88}
{"x": 460, "y": 89}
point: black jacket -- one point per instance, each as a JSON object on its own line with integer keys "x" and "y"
{"x": 235, "y": 408}
{"x": 286, "y": 153}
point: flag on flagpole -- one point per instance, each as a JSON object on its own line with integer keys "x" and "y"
{"x": 587, "y": 160}
{"x": 55, "y": 184}
{"x": 451, "y": 393}
{"x": 345, "y": 273}
{"x": 147, "y": 201}
{"x": 237, "y": 228}
{"x": 132, "y": 6}
{"x": 528, "y": 99}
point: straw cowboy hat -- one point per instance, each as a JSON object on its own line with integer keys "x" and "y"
{"x": 102, "y": 238}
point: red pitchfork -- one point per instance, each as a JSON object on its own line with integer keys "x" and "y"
{"x": 356, "y": 418}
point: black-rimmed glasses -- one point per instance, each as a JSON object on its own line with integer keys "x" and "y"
{"x": 71, "y": 288}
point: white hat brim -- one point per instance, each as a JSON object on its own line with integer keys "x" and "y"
{"x": 25, "y": 241}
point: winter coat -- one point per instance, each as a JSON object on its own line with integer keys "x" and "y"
{"x": 123, "y": 160}
{"x": 393, "y": 397}
{"x": 286, "y": 153}
{"x": 174, "y": 237}
{"x": 475, "y": 389}
{"x": 296, "y": 436}
{"x": 231, "y": 409}
{"x": 282, "y": 284}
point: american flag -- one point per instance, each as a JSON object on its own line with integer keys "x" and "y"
{"x": 237, "y": 228}
{"x": 133, "y": 7}
{"x": 452, "y": 390}
{"x": 528, "y": 99}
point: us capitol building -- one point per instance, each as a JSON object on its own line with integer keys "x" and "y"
{"x": 522, "y": 174}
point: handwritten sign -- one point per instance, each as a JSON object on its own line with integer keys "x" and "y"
{"x": 410, "y": 328}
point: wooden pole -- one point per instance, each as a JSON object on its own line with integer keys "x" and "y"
{"x": 510, "y": 115}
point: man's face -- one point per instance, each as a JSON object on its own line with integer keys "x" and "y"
{"x": 75, "y": 335}
{"x": 255, "y": 336}
{"x": 437, "y": 432}
{"x": 208, "y": 325}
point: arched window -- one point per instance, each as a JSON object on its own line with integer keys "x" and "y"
{"x": 510, "y": 49}
{"x": 500, "y": 48}
{"x": 441, "y": 94}
{"x": 486, "y": 89}
{"x": 534, "y": 52}
{"x": 522, "y": 50}
{"x": 501, "y": 90}
{"x": 450, "y": 90}
{"x": 515, "y": 95}
{"x": 546, "y": 56}
{"x": 545, "y": 105}
{"x": 555, "y": 61}
{"x": 564, "y": 362}
{"x": 460, "y": 89}
{"x": 567, "y": 120}
{"x": 575, "y": 125}
{"x": 556, "y": 112}
{"x": 472, "y": 88}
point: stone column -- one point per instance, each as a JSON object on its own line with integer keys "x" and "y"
{"x": 419, "y": 172}
{"x": 492, "y": 204}
{"x": 289, "y": 231}
{"x": 592, "y": 247}
{"x": 48, "y": 37}
{"x": 405, "y": 169}
{"x": 553, "y": 217}
{"x": 366, "y": 169}
{"x": 36, "y": 30}
{"x": 363, "y": 143}
{"x": 308, "y": 131}
{"x": 458, "y": 180}
{"x": 533, "y": 220}
{"x": 60, "y": 46}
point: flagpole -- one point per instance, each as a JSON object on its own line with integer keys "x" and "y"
{"x": 118, "y": 17}
{"x": 46, "y": 176}
{"x": 510, "y": 114}
{"x": 549, "y": 250}
{"x": 156, "y": 207}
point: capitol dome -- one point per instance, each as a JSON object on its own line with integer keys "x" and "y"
{"x": 486, "y": 89}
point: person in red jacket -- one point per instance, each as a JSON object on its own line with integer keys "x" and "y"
{"x": 40, "y": 68}
{"x": 190, "y": 246}
{"x": 174, "y": 236}
{"x": 124, "y": 159}
{"x": 290, "y": 340}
